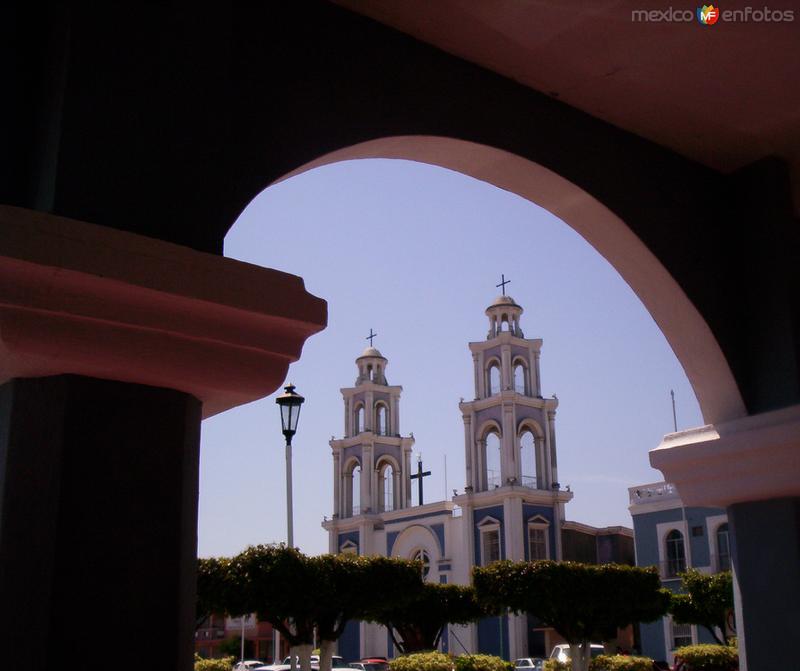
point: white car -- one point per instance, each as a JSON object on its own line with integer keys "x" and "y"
{"x": 247, "y": 665}
{"x": 336, "y": 661}
{"x": 561, "y": 651}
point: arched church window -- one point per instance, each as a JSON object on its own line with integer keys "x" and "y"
{"x": 520, "y": 378}
{"x": 381, "y": 419}
{"x": 527, "y": 453}
{"x": 676, "y": 553}
{"x": 504, "y": 325}
{"x": 424, "y": 558}
{"x": 369, "y": 372}
{"x": 359, "y": 419}
{"x": 386, "y": 487}
{"x": 494, "y": 379}
{"x": 355, "y": 492}
{"x": 723, "y": 548}
{"x": 493, "y": 461}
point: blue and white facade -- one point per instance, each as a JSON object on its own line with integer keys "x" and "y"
{"x": 674, "y": 537}
{"x": 512, "y": 506}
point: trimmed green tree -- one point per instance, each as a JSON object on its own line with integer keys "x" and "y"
{"x": 707, "y": 601}
{"x": 582, "y": 602}
{"x": 416, "y": 624}
{"x": 213, "y": 585}
{"x": 349, "y": 587}
{"x": 277, "y": 583}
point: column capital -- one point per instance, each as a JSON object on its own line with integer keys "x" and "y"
{"x": 90, "y": 300}
{"x": 747, "y": 459}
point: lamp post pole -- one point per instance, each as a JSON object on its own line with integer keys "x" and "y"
{"x": 289, "y": 515}
{"x": 289, "y": 403}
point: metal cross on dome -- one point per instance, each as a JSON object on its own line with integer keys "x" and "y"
{"x": 370, "y": 336}
{"x": 503, "y": 282}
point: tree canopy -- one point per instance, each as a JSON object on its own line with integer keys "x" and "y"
{"x": 296, "y": 593}
{"x": 213, "y": 583}
{"x": 707, "y": 601}
{"x": 582, "y": 602}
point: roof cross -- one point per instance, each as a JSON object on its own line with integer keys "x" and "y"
{"x": 370, "y": 336}
{"x": 419, "y": 475}
{"x": 503, "y": 282}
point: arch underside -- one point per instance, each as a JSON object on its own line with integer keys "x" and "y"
{"x": 686, "y": 331}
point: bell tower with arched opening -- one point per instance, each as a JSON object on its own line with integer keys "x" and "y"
{"x": 510, "y": 444}
{"x": 372, "y": 462}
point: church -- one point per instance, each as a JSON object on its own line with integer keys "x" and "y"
{"x": 512, "y": 505}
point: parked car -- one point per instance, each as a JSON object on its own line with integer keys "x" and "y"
{"x": 370, "y": 664}
{"x": 529, "y": 664}
{"x": 561, "y": 651}
{"x": 336, "y": 662}
{"x": 247, "y": 665}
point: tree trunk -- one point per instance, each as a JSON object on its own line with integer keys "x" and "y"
{"x": 325, "y": 654}
{"x": 580, "y": 655}
{"x": 292, "y": 658}
{"x": 304, "y": 652}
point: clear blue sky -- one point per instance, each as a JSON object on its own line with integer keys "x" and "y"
{"x": 414, "y": 252}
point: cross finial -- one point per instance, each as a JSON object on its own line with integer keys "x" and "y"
{"x": 418, "y": 476}
{"x": 503, "y": 282}
{"x": 370, "y": 336}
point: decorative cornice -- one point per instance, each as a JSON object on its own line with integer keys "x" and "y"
{"x": 747, "y": 459}
{"x": 90, "y": 300}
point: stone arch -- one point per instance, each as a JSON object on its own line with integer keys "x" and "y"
{"x": 351, "y": 477}
{"x": 488, "y": 467}
{"x": 533, "y": 466}
{"x": 493, "y": 370}
{"x": 382, "y": 419}
{"x": 679, "y": 320}
{"x": 415, "y": 538}
{"x": 387, "y": 472}
{"x": 521, "y": 380}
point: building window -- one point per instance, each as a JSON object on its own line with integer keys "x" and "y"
{"x": 527, "y": 460}
{"x": 381, "y": 420}
{"x": 676, "y": 555}
{"x": 348, "y": 548}
{"x": 352, "y": 490}
{"x": 494, "y": 379}
{"x": 359, "y": 419}
{"x": 520, "y": 378}
{"x": 386, "y": 487}
{"x": 493, "y": 461}
{"x": 723, "y": 548}
{"x": 681, "y": 634}
{"x": 424, "y": 558}
{"x": 490, "y": 544}
{"x": 537, "y": 541}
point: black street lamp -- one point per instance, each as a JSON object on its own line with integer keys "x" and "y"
{"x": 289, "y": 403}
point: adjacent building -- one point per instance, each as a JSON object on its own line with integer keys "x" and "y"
{"x": 675, "y": 537}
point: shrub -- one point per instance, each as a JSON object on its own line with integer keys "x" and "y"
{"x": 482, "y": 663}
{"x": 620, "y": 663}
{"x": 555, "y": 665}
{"x": 708, "y": 658}
{"x": 422, "y": 661}
{"x": 218, "y": 664}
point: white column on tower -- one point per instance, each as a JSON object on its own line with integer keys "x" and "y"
{"x": 537, "y": 384}
{"x": 336, "y": 485}
{"x": 468, "y": 448}
{"x": 507, "y": 461}
{"x": 551, "y": 422}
